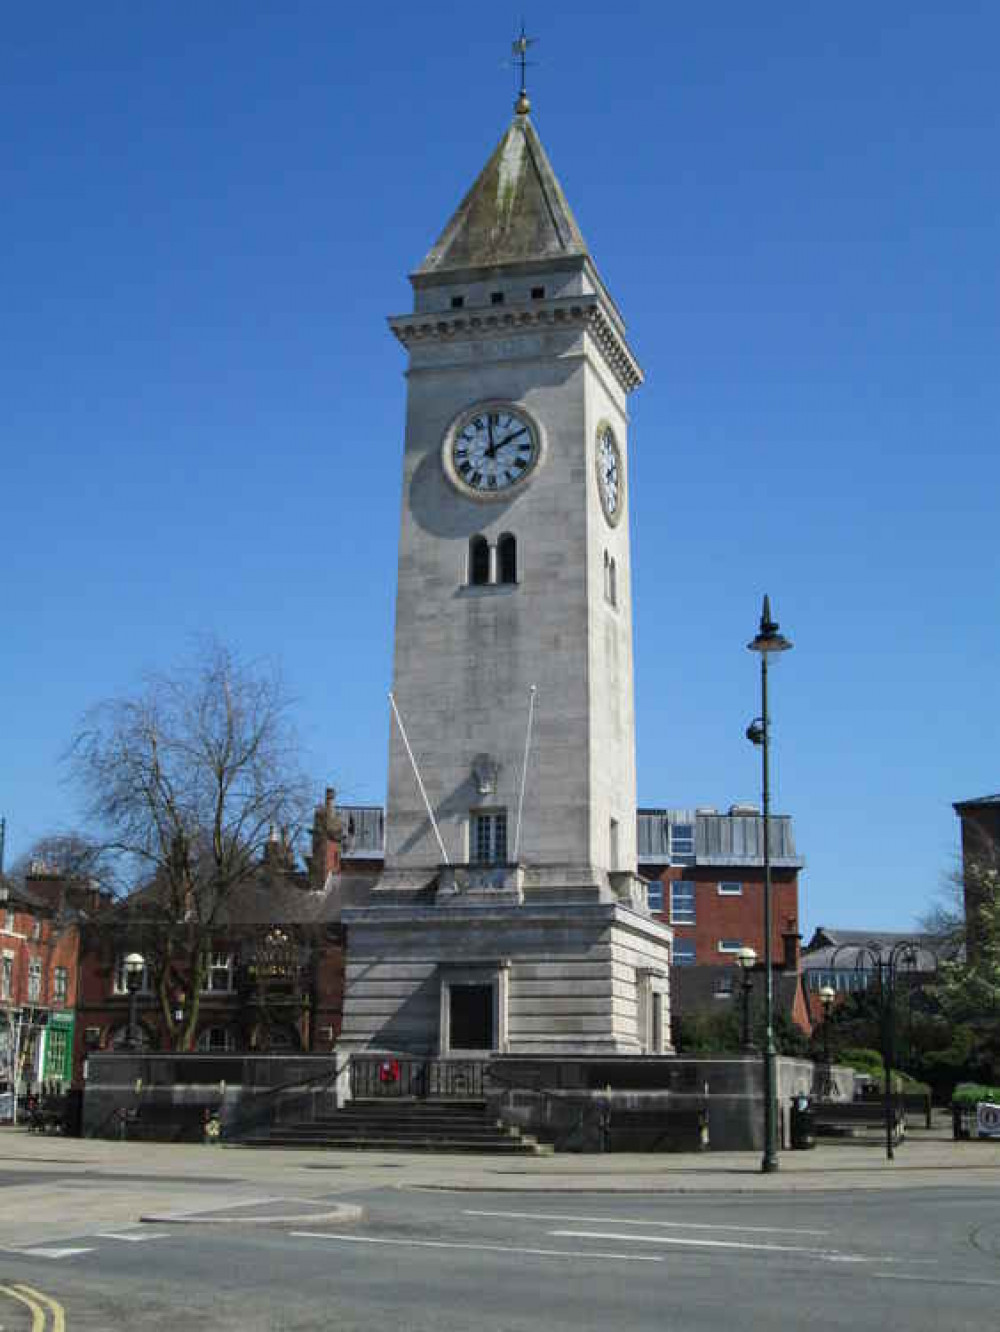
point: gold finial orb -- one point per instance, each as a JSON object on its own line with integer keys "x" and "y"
{"x": 523, "y": 104}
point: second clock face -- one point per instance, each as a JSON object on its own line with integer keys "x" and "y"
{"x": 610, "y": 476}
{"x": 492, "y": 450}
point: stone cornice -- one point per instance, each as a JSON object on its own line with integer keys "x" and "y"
{"x": 586, "y": 312}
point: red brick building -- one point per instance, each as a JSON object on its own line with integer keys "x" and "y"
{"x": 980, "y": 821}
{"x": 706, "y": 873}
{"x": 39, "y": 943}
{"x": 706, "y": 880}
{"x": 275, "y": 976}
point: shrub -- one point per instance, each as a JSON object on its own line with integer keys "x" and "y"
{"x": 971, "y": 1093}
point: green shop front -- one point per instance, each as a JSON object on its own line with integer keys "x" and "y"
{"x": 57, "y": 1047}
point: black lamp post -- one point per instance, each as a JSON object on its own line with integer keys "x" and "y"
{"x": 745, "y": 959}
{"x": 768, "y": 640}
{"x": 135, "y": 965}
{"x": 827, "y": 994}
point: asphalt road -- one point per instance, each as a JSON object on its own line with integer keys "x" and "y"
{"x": 430, "y": 1259}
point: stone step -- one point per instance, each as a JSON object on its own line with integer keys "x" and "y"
{"x": 403, "y": 1125}
{"x": 496, "y": 1146}
{"x": 402, "y": 1117}
{"x": 388, "y": 1105}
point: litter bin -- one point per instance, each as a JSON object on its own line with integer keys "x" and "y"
{"x": 803, "y": 1123}
{"x": 963, "y": 1122}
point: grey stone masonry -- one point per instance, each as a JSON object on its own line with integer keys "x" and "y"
{"x": 509, "y": 910}
{"x": 572, "y": 982}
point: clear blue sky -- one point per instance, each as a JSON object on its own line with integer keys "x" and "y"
{"x": 210, "y": 209}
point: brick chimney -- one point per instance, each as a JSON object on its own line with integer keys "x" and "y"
{"x": 793, "y": 946}
{"x": 327, "y": 837}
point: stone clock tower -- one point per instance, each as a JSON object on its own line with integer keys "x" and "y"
{"x": 509, "y": 916}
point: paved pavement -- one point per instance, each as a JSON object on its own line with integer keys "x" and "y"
{"x": 54, "y": 1186}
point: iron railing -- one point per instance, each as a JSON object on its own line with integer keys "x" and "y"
{"x": 389, "y": 1076}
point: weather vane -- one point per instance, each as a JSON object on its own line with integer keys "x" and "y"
{"x": 520, "y": 52}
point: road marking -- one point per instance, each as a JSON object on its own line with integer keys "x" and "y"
{"x": 56, "y": 1309}
{"x": 50, "y": 1253}
{"x": 37, "y": 1312}
{"x": 132, "y": 1237}
{"x": 479, "y": 1248}
{"x": 39, "y": 1304}
{"x": 935, "y": 1280}
{"x": 628, "y": 1221}
{"x": 829, "y": 1255}
{"x": 219, "y": 1207}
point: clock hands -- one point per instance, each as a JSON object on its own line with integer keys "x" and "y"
{"x": 515, "y": 434}
{"x": 494, "y": 450}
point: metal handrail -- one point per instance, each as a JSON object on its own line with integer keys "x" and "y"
{"x": 257, "y": 1108}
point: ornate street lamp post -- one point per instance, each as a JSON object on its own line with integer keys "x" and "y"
{"x": 768, "y": 640}
{"x": 884, "y": 964}
{"x": 745, "y": 959}
{"x": 135, "y": 965}
{"x": 827, "y": 994}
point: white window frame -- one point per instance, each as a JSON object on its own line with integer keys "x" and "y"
{"x": 679, "y": 856}
{"x": 221, "y": 961}
{"x": 723, "y": 987}
{"x": 730, "y": 888}
{"x": 9, "y": 921}
{"x": 7, "y": 976}
{"x": 654, "y": 889}
{"x": 34, "y": 980}
{"x": 685, "y": 944}
{"x": 683, "y": 918}
{"x": 730, "y": 945}
{"x": 60, "y": 992}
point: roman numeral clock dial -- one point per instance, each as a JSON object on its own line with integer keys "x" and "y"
{"x": 610, "y": 474}
{"x": 490, "y": 450}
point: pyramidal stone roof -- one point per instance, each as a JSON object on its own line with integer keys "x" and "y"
{"x": 515, "y": 213}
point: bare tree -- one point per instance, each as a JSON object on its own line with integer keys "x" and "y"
{"x": 187, "y": 782}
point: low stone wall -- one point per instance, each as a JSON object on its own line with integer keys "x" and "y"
{"x": 170, "y": 1098}
{"x": 629, "y": 1103}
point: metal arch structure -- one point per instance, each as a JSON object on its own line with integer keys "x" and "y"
{"x": 885, "y": 963}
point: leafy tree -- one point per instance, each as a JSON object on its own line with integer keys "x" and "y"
{"x": 966, "y": 990}
{"x": 721, "y": 1032}
{"x": 186, "y": 782}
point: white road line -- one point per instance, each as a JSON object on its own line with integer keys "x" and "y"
{"x": 478, "y": 1248}
{"x": 132, "y": 1237}
{"x": 629, "y": 1221}
{"x": 50, "y": 1253}
{"x": 935, "y": 1280}
{"x": 219, "y": 1207}
{"x": 829, "y": 1255}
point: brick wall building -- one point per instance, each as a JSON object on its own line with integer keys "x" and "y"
{"x": 706, "y": 879}
{"x": 980, "y": 823}
{"x": 706, "y": 873}
{"x": 39, "y": 945}
{"x": 275, "y": 979}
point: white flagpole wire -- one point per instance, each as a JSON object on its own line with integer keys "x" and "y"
{"x": 524, "y": 770}
{"x": 416, "y": 773}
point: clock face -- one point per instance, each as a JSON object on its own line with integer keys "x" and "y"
{"x": 610, "y": 475}
{"x": 492, "y": 449}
